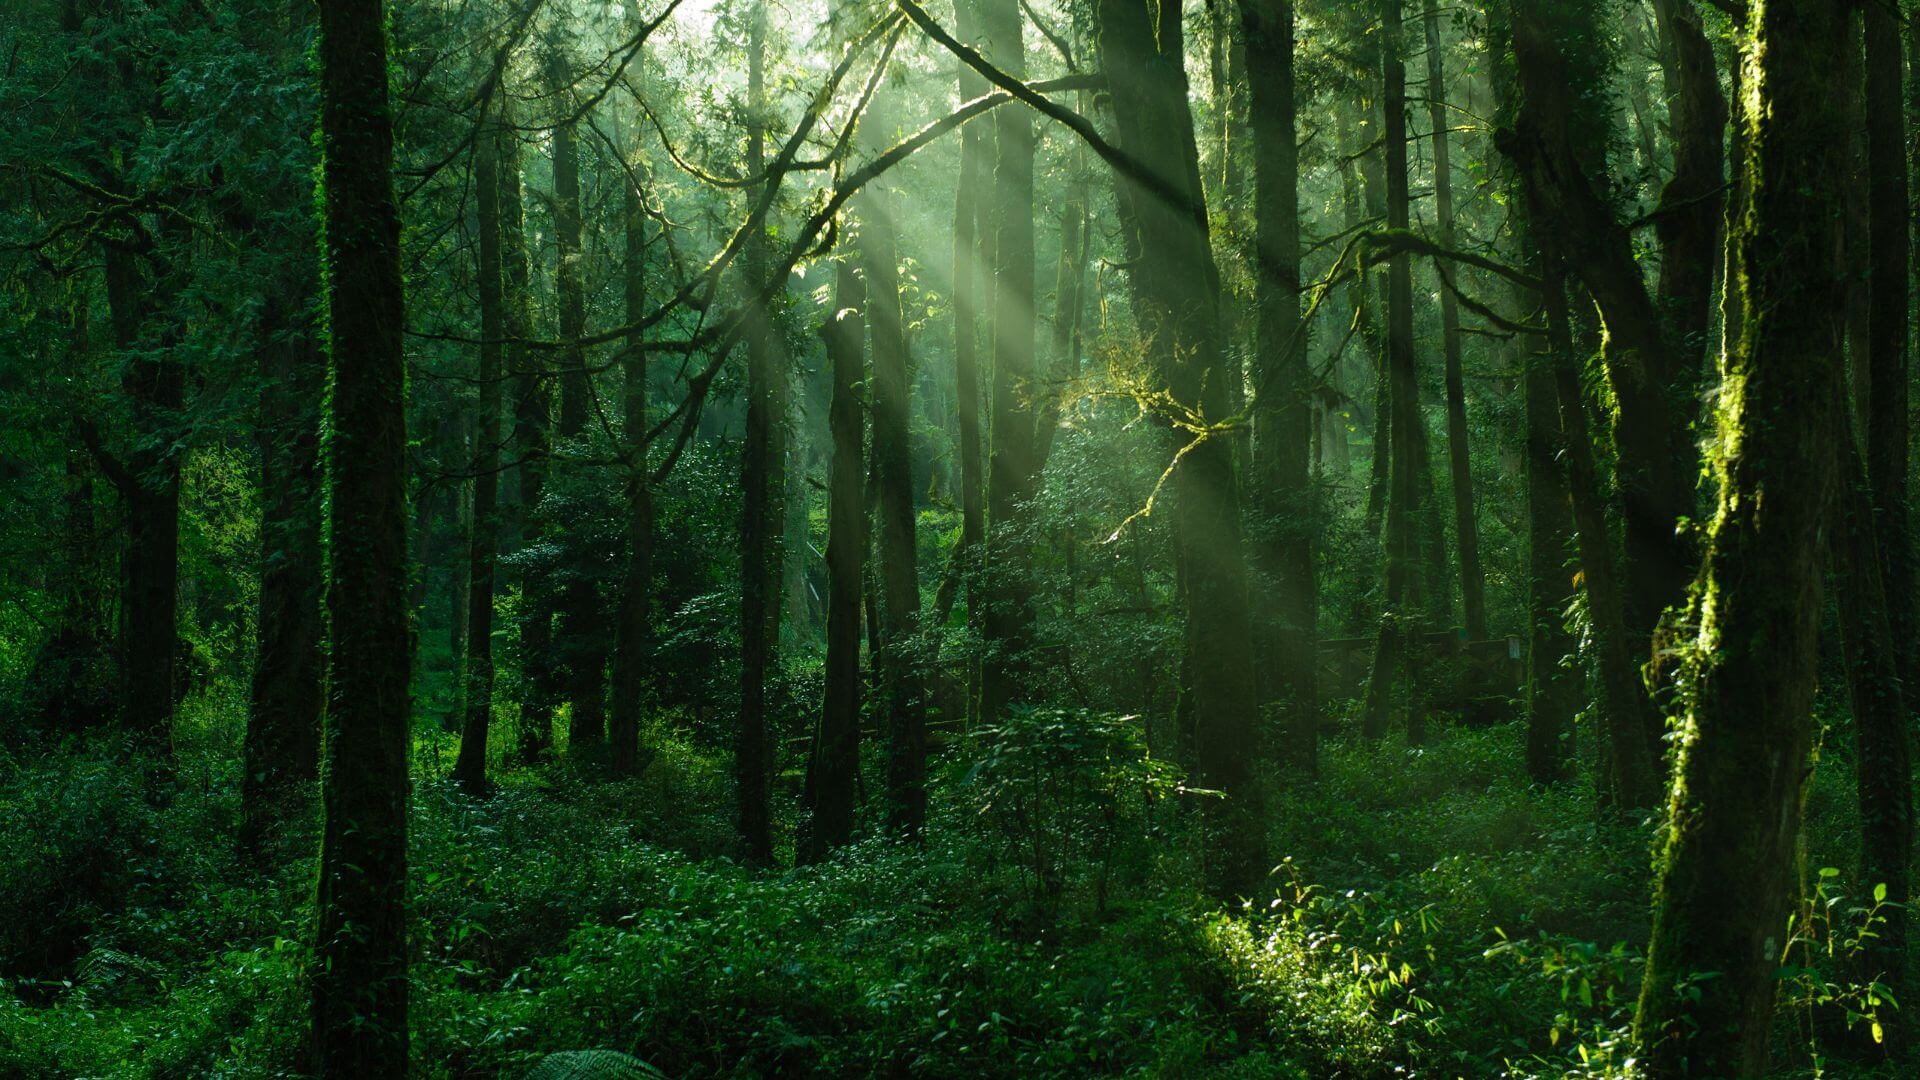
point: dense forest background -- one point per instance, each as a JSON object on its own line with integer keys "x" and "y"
{"x": 1297, "y": 538}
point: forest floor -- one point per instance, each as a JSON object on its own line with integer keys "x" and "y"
{"x": 1454, "y": 921}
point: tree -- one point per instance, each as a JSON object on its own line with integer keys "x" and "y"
{"x": 360, "y": 971}
{"x": 1280, "y": 489}
{"x": 1176, "y": 289}
{"x": 1735, "y": 812}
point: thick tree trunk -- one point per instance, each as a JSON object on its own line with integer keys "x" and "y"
{"x": 1553, "y": 686}
{"x": 359, "y": 976}
{"x": 1281, "y": 493}
{"x": 833, "y": 770}
{"x": 1742, "y": 764}
{"x": 1466, "y": 531}
{"x": 760, "y": 515}
{"x": 1177, "y": 286}
{"x": 1551, "y": 143}
{"x": 149, "y": 486}
{"x": 1889, "y": 411}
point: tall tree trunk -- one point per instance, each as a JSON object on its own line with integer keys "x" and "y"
{"x": 581, "y": 649}
{"x": 1400, "y": 623}
{"x": 533, "y": 446}
{"x": 1889, "y": 411}
{"x": 282, "y": 747}
{"x": 1629, "y": 752}
{"x": 470, "y": 767}
{"x": 1466, "y": 532}
{"x": 149, "y": 485}
{"x": 894, "y": 522}
{"x": 1553, "y": 144}
{"x": 633, "y": 639}
{"x": 1177, "y": 288}
{"x": 1742, "y": 764}
{"x": 1011, "y": 473}
{"x": 1281, "y": 493}
{"x": 359, "y": 976}
{"x": 833, "y": 771}
{"x": 1687, "y": 222}
{"x": 760, "y": 516}
{"x": 1553, "y": 687}
{"x": 1883, "y": 753}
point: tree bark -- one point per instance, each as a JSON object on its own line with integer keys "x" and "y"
{"x": 581, "y": 652}
{"x": 1742, "y": 764}
{"x": 1281, "y": 493}
{"x": 760, "y": 515}
{"x": 359, "y": 977}
{"x": 834, "y": 768}
{"x": 1466, "y": 531}
{"x": 470, "y": 767}
{"x": 633, "y": 633}
{"x": 533, "y": 446}
{"x": 1011, "y": 470}
{"x": 1177, "y": 289}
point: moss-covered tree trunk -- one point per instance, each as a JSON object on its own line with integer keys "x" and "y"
{"x": 1725, "y": 877}
{"x": 359, "y": 975}
{"x": 1280, "y": 490}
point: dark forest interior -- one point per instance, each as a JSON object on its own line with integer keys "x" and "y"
{"x": 603, "y": 539}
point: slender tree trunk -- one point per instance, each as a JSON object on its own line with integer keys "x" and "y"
{"x": 833, "y": 772}
{"x": 1466, "y": 532}
{"x": 580, "y": 647}
{"x": 1281, "y": 492}
{"x": 533, "y": 445}
{"x": 470, "y": 767}
{"x": 1630, "y": 754}
{"x": 359, "y": 976}
{"x": 633, "y": 638}
{"x": 1011, "y": 472}
{"x": 894, "y": 523}
{"x": 1178, "y": 289}
{"x": 759, "y": 516}
{"x": 1742, "y": 763}
{"x": 1400, "y": 622}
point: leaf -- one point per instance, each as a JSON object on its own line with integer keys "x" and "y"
{"x": 1880, "y": 897}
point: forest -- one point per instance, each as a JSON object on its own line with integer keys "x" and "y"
{"x": 607, "y": 539}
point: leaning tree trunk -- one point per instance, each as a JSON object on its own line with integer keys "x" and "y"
{"x": 359, "y": 974}
{"x": 1281, "y": 493}
{"x": 1742, "y": 765}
